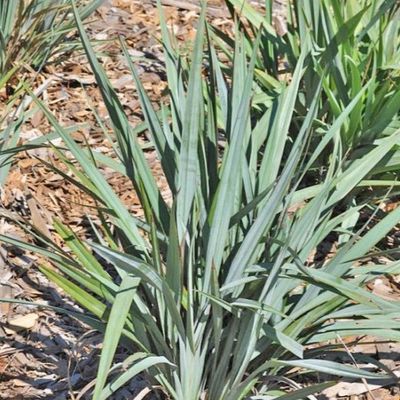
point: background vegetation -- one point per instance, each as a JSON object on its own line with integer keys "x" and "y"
{"x": 224, "y": 292}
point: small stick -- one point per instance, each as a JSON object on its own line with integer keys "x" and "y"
{"x": 364, "y": 381}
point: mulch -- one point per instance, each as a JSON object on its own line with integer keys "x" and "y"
{"x": 44, "y": 354}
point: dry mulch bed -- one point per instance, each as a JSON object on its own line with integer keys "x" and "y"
{"x": 47, "y": 355}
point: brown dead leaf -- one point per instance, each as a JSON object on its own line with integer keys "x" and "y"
{"x": 37, "y": 219}
{"x": 22, "y": 322}
{"x": 124, "y": 81}
{"x": 28, "y": 163}
{"x": 37, "y": 118}
{"x": 6, "y": 292}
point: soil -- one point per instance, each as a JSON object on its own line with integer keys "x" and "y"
{"x": 48, "y": 355}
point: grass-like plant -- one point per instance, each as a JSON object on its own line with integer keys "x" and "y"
{"x": 355, "y": 48}
{"x": 216, "y": 293}
{"x": 31, "y": 32}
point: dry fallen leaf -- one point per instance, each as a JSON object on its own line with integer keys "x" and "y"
{"x": 37, "y": 219}
{"x": 22, "y": 322}
{"x": 6, "y": 292}
{"x": 37, "y": 118}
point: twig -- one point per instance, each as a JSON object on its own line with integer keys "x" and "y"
{"x": 364, "y": 381}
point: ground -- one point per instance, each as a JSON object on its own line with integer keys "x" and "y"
{"x": 48, "y": 355}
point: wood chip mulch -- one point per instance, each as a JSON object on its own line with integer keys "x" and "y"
{"x": 48, "y": 355}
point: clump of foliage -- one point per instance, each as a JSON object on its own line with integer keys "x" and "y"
{"x": 217, "y": 294}
{"x": 355, "y": 49}
{"x": 31, "y": 32}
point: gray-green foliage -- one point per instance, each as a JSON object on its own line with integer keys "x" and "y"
{"x": 355, "y": 48}
{"x": 31, "y": 32}
{"x": 216, "y": 293}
